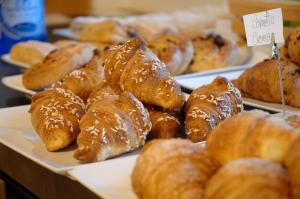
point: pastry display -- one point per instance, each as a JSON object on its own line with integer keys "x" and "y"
{"x": 249, "y": 178}
{"x": 112, "y": 126}
{"x": 173, "y": 50}
{"x": 31, "y": 52}
{"x": 133, "y": 67}
{"x": 251, "y": 134}
{"x": 210, "y": 52}
{"x": 254, "y": 82}
{"x": 57, "y": 65}
{"x": 165, "y": 123}
{"x": 55, "y": 115}
{"x": 208, "y": 105}
{"x": 292, "y": 162}
{"x": 173, "y": 168}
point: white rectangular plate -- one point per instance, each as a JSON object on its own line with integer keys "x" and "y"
{"x": 17, "y": 133}
{"x": 15, "y": 82}
{"x": 109, "y": 180}
{"x": 195, "y": 82}
{"x": 7, "y": 59}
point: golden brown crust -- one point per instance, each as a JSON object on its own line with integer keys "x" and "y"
{"x": 249, "y": 178}
{"x": 210, "y": 52}
{"x": 106, "y": 32}
{"x": 82, "y": 81}
{"x": 55, "y": 115}
{"x": 133, "y": 67}
{"x": 31, "y": 52}
{"x": 173, "y": 168}
{"x": 112, "y": 126}
{"x": 57, "y": 65}
{"x": 165, "y": 123}
{"x": 293, "y": 46}
{"x": 292, "y": 162}
{"x": 251, "y": 134}
{"x": 210, "y": 104}
{"x": 173, "y": 50}
{"x": 256, "y": 84}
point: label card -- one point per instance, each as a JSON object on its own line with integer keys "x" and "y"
{"x": 260, "y": 26}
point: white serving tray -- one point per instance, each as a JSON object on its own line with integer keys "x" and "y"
{"x": 17, "y": 133}
{"x": 6, "y": 58}
{"x": 195, "y": 82}
{"x": 15, "y": 82}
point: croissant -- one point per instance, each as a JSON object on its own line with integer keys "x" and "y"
{"x": 82, "y": 81}
{"x": 210, "y": 52}
{"x": 172, "y": 168}
{"x": 112, "y": 126}
{"x": 293, "y": 46}
{"x": 292, "y": 162}
{"x": 251, "y": 134}
{"x": 31, "y": 52}
{"x": 57, "y": 65}
{"x": 256, "y": 84}
{"x": 173, "y": 50}
{"x": 165, "y": 123}
{"x": 210, "y": 104}
{"x": 249, "y": 178}
{"x": 134, "y": 68}
{"x": 55, "y": 115}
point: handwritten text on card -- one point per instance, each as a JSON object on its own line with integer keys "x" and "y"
{"x": 260, "y": 26}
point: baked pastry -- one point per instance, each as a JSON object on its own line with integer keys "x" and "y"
{"x": 254, "y": 82}
{"x": 173, "y": 50}
{"x": 102, "y": 90}
{"x": 82, "y": 81}
{"x": 165, "y": 123}
{"x": 292, "y": 162}
{"x": 64, "y": 43}
{"x": 293, "y": 46}
{"x": 55, "y": 115}
{"x": 31, "y": 52}
{"x": 211, "y": 52}
{"x": 112, "y": 126}
{"x": 57, "y": 65}
{"x": 107, "y": 32}
{"x": 133, "y": 67}
{"x": 249, "y": 178}
{"x": 172, "y": 168}
{"x": 251, "y": 134}
{"x": 293, "y": 120}
{"x": 210, "y": 104}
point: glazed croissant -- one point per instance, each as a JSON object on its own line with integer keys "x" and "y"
{"x": 292, "y": 162}
{"x": 133, "y": 67}
{"x": 165, "y": 123}
{"x": 251, "y": 134}
{"x": 247, "y": 179}
{"x": 57, "y": 65}
{"x": 256, "y": 84}
{"x": 82, "y": 81}
{"x": 172, "y": 168}
{"x": 112, "y": 126}
{"x": 55, "y": 115}
{"x": 173, "y": 50}
{"x": 210, "y": 104}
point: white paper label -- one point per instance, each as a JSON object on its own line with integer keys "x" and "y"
{"x": 260, "y": 26}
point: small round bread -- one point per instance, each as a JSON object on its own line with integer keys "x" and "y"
{"x": 172, "y": 168}
{"x": 57, "y": 65}
{"x": 293, "y": 46}
{"x": 31, "y": 52}
{"x": 249, "y": 178}
{"x": 106, "y": 32}
{"x": 175, "y": 51}
{"x": 292, "y": 162}
{"x": 210, "y": 52}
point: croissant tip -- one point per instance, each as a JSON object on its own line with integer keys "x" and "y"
{"x": 85, "y": 154}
